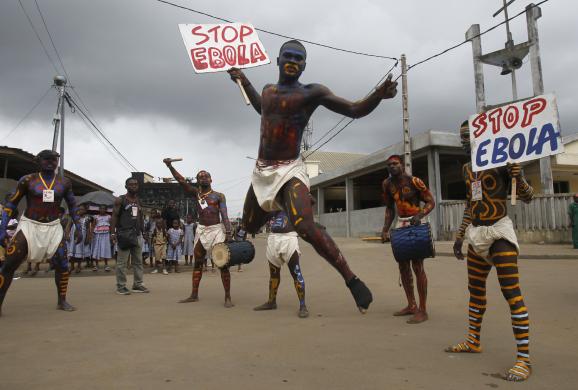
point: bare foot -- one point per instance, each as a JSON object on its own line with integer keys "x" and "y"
{"x": 189, "y": 299}
{"x": 303, "y": 312}
{"x": 65, "y": 306}
{"x": 228, "y": 303}
{"x": 418, "y": 318}
{"x": 406, "y": 311}
{"x": 463, "y": 348}
{"x": 266, "y": 306}
{"x": 520, "y": 372}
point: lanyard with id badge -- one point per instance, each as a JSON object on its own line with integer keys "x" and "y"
{"x": 48, "y": 192}
{"x": 476, "y": 188}
{"x": 202, "y": 200}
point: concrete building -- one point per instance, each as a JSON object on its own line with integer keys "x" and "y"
{"x": 349, "y": 197}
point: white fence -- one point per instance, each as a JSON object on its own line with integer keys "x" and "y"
{"x": 545, "y": 215}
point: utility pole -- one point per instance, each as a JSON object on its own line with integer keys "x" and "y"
{"x": 509, "y": 59}
{"x": 60, "y": 84}
{"x": 406, "y": 135}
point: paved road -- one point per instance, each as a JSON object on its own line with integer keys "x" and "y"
{"x": 151, "y": 342}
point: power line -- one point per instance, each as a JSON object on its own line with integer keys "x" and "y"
{"x": 38, "y": 37}
{"x": 69, "y": 98}
{"x": 27, "y": 115}
{"x": 344, "y": 117}
{"x": 476, "y": 36}
{"x": 277, "y": 34}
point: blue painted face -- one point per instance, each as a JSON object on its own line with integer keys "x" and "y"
{"x": 291, "y": 62}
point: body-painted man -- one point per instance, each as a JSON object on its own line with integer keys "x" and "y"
{"x": 213, "y": 217}
{"x": 279, "y": 179}
{"x": 40, "y": 235}
{"x": 492, "y": 242}
{"x": 283, "y": 247}
{"x": 405, "y": 193}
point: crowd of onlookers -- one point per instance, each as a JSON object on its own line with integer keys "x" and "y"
{"x": 166, "y": 241}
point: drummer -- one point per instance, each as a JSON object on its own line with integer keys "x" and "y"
{"x": 405, "y": 193}
{"x": 212, "y": 209}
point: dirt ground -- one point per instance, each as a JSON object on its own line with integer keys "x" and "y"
{"x": 148, "y": 341}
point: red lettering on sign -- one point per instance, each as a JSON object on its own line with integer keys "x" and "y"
{"x": 511, "y": 117}
{"x": 230, "y": 55}
{"x": 256, "y": 53}
{"x": 480, "y": 125}
{"x": 199, "y": 57}
{"x": 216, "y": 58}
{"x": 242, "y": 55}
{"x": 195, "y": 30}
{"x": 224, "y": 34}
{"x": 495, "y": 117}
{"x": 531, "y": 108}
{"x": 245, "y": 32}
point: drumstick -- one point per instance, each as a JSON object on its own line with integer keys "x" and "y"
{"x": 175, "y": 159}
{"x": 243, "y": 92}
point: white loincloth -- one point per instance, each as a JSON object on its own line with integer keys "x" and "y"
{"x": 43, "y": 238}
{"x": 281, "y": 246}
{"x": 267, "y": 181}
{"x": 209, "y": 236}
{"x": 481, "y": 238}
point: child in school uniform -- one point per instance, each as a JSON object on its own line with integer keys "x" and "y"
{"x": 175, "y": 246}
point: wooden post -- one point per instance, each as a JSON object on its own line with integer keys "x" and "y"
{"x": 404, "y": 103}
{"x": 247, "y": 101}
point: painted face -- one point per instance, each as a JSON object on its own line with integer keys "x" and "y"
{"x": 204, "y": 179}
{"x": 394, "y": 167}
{"x": 49, "y": 163}
{"x": 132, "y": 186}
{"x": 291, "y": 62}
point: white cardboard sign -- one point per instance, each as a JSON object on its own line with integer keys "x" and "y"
{"x": 219, "y": 47}
{"x": 517, "y": 132}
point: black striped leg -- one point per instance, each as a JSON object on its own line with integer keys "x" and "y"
{"x": 478, "y": 270}
{"x": 505, "y": 258}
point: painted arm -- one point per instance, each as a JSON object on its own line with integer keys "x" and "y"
{"x": 224, "y": 216}
{"x": 389, "y": 213}
{"x": 73, "y": 211}
{"x": 189, "y": 189}
{"x": 360, "y": 108}
{"x": 114, "y": 218}
{"x": 425, "y": 196}
{"x": 12, "y": 205}
{"x": 254, "y": 97}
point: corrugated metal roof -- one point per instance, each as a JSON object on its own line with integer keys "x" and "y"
{"x": 329, "y": 161}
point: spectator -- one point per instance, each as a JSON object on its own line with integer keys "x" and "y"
{"x": 80, "y": 251}
{"x": 159, "y": 240}
{"x": 189, "y": 239}
{"x": 126, "y": 228}
{"x": 101, "y": 248}
{"x": 170, "y": 213}
{"x": 175, "y": 244}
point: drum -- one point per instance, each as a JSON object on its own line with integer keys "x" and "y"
{"x": 412, "y": 242}
{"x": 227, "y": 254}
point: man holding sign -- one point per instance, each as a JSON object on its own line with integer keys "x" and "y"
{"x": 492, "y": 241}
{"x": 280, "y": 180}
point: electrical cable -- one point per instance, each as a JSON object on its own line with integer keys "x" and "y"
{"x": 69, "y": 99}
{"x": 38, "y": 36}
{"x": 277, "y": 34}
{"x": 476, "y": 36}
{"x": 27, "y": 115}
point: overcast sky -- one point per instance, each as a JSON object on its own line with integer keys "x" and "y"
{"x": 127, "y": 61}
